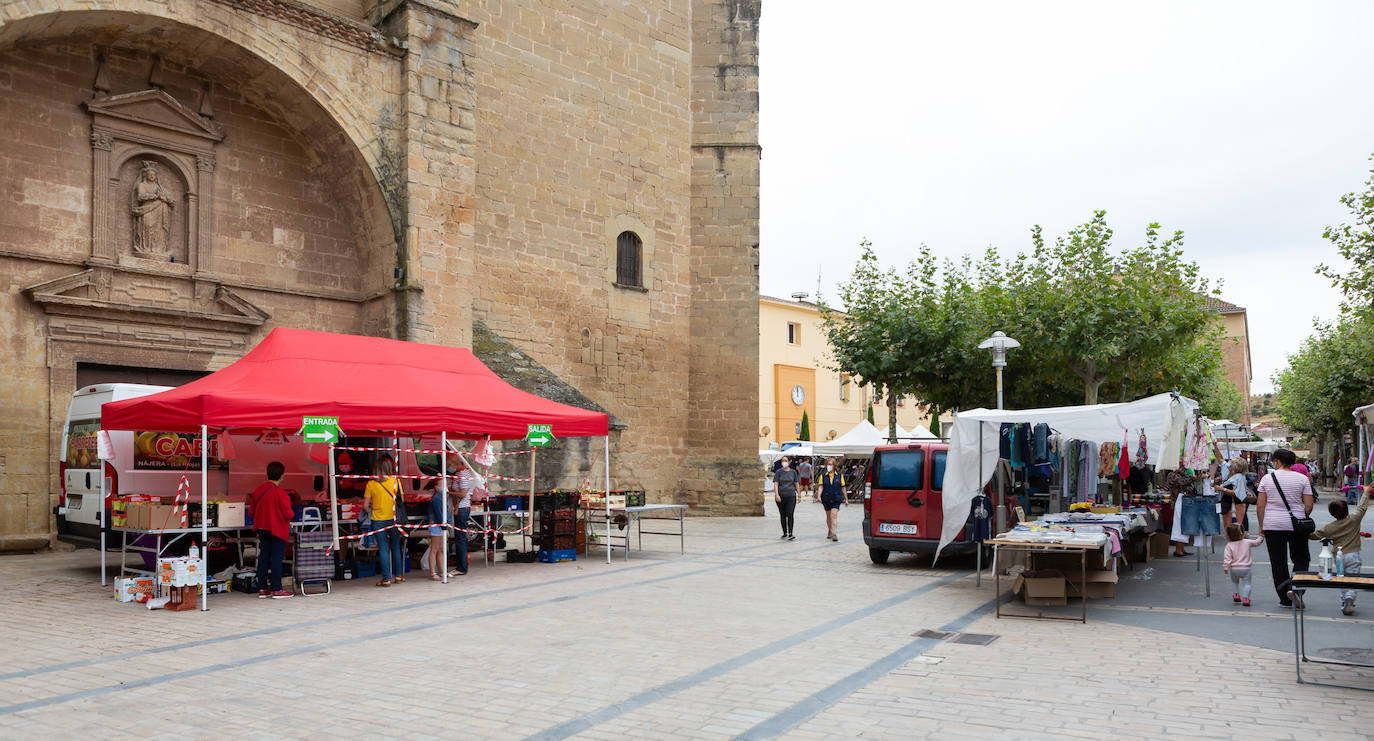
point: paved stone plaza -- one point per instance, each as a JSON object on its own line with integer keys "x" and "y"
{"x": 745, "y": 636}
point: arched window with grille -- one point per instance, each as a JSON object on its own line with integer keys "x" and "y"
{"x": 629, "y": 249}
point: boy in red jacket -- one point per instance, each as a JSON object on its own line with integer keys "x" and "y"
{"x": 270, "y": 506}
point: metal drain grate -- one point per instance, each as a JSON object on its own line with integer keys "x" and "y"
{"x": 974, "y": 639}
{"x": 938, "y": 635}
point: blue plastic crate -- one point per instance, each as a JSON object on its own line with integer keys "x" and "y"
{"x": 366, "y": 569}
{"x": 511, "y": 504}
{"x": 569, "y": 554}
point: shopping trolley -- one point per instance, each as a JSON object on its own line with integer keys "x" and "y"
{"x": 314, "y": 562}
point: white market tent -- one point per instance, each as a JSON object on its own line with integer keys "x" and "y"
{"x": 974, "y": 438}
{"x": 859, "y": 441}
{"x": 919, "y": 432}
{"x": 1225, "y": 429}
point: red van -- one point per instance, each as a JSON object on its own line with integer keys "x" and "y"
{"x": 903, "y": 510}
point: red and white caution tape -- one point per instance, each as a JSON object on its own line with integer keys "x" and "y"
{"x": 183, "y": 496}
{"x": 402, "y": 528}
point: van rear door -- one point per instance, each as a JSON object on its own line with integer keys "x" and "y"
{"x": 899, "y": 497}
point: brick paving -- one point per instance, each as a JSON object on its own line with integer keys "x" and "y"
{"x": 745, "y": 636}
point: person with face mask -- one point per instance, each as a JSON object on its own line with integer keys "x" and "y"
{"x": 785, "y": 495}
{"x": 832, "y": 496}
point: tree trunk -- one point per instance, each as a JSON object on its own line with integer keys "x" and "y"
{"x": 892, "y": 415}
{"x": 1090, "y": 387}
{"x": 1092, "y": 381}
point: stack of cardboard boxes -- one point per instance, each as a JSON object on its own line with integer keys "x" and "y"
{"x": 1054, "y": 577}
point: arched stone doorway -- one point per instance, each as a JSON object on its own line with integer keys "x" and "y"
{"x": 175, "y": 187}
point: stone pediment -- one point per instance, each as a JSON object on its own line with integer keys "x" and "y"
{"x": 157, "y": 109}
{"x": 118, "y": 296}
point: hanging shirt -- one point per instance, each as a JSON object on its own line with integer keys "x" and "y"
{"x": 1171, "y": 447}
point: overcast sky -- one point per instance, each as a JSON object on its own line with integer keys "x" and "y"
{"x": 961, "y": 124}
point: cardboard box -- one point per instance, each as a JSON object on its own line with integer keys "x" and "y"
{"x": 1101, "y": 584}
{"x": 1069, "y": 563}
{"x": 128, "y": 589}
{"x": 1042, "y": 588}
{"x": 163, "y": 517}
{"x": 230, "y": 514}
{"x": 1159, "y": 546}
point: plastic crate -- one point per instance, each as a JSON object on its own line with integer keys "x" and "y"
{"x": 634, "y": 499}
{"x": 557, "y": 556}
{"x": 557, "y": 527}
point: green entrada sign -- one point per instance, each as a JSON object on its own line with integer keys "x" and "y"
{"x": 320, "y": 429}
{"x": 539, "y": 435}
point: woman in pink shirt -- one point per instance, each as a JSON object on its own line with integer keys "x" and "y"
{"x": 1237, "y": 561}
{"x": 1283, "y": 495}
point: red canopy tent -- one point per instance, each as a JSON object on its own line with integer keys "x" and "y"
{"x": 369, "y": 383}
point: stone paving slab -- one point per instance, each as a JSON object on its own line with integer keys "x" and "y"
{"x": 745, "y": 636}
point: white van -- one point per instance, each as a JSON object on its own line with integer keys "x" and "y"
{"x": 151, "y": 462}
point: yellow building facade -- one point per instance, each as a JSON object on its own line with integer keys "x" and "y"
{"x": 1235, "y": 349}
{"x": 795, "y": 377}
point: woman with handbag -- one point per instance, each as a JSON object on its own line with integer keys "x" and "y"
{"x": 1283, "y": 512}
{"x": 1236, "y": 495}
{"x": 380, "y": 502}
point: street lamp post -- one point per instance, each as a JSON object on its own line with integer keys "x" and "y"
{"x": 999, "y": 343}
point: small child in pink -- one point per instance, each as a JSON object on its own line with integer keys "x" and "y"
{"x": 1237, "y": 561}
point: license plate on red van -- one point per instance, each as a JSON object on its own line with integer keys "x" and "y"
{"x": 897, "y": 529}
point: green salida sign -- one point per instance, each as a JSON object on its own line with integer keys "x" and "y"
{"x": 539, "y": 435}
{"x": 320, "y": 429}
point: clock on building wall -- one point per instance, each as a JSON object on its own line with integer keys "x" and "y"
{"x": 798, "y": 395}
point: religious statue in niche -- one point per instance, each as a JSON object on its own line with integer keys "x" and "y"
{"x": 153, "y": 208}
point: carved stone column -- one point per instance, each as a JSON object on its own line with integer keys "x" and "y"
{"x": 102, "y": 230}
{"x": 202, "y": 214}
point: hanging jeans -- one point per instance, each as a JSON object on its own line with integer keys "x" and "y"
{"x": 1200, "y": 516}
{"x": 390, "y": 557}
{"x": 786, "y": 509}
{"x": 1281, "y": 545}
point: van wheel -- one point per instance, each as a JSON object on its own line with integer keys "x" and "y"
{"x": 878, "y": 555}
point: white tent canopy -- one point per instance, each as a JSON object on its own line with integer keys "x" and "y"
{"x": 1365, "y": 414}
{"x": 919, "y": 432}
{"x": 974, "y": 438}
{"x": 1247, "y": 447}
{"x": 1225, "y": 429}
{"x": 859, "y": 441}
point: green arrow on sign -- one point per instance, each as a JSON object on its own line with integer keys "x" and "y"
{"x": 539, "y": 435}
{"x": 320, "y": 429}
{"x": 322, "y": 435}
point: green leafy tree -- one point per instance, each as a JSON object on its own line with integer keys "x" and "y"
{"x": 805, "y": 427}
{"x": 1330, "y": 375}
{"x": 1104, "y": 315}
{"x": 1355, "y": 244}
{"x": 869, "y": 338}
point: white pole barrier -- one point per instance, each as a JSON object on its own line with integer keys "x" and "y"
{"x": 333, "y": 499}
{"x": 608, "y": 504}
{"x": 204, "y": 515}
{"x": 529, "y": 536}
{"x": 443, "y": 532}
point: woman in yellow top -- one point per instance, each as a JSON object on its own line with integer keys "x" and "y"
{"x": 380, "y": 498}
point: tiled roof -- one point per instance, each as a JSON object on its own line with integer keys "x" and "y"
{"x": 1223, "y": 307}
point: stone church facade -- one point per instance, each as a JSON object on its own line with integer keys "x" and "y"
{"x": 573, "y": 184}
